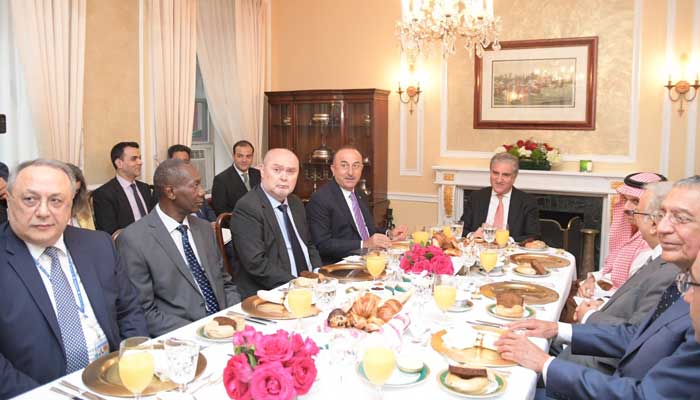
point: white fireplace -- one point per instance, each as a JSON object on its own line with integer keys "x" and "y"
{"x": 452, "y": 180}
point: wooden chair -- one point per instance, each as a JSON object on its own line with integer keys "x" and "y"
{"x": 116, "y": 234}
{"x": 223, "y": 220}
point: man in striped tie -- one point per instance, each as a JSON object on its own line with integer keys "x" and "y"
{"x": 339, "y": 216}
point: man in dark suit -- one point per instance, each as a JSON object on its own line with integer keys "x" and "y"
{"x": 123, "y": 199}
{"x": 270, "y": 233}
{"x": 184, "y": 153}
{"x": 339, "y": 216}
{"x": 235, "y": 181}
{"x": 501, "y": 203}
{"x": 64, "y": 300}
{"x": 658, "y": 357}
{"x": 4, "y": 173}
{"x": 172, "y": 257}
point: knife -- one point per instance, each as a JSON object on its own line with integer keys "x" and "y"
{"x": 251, "y": 318}
{"x": 66, "y": 394}
{"x": 89, "y": 395}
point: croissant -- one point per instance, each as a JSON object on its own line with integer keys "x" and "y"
{"x": 338, "y": 319}
{"x": 389, "y": 309}
{"x": 366, "y": 306}
{"x": 357, "y": 321}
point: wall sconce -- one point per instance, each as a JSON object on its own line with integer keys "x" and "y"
{"x": 682, "y": 88}
{"x": 412, "y": 92}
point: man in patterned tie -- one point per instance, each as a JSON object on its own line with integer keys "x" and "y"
{"x": 339, "y": 216}
{"x": 501, "y": 203}
{"x": 64, "y": 300}
{"x": 171, "y": 255}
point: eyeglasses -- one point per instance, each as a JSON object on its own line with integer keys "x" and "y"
{"x": 632, "y": 213}
{"x": 684, "y": 281}
{"x": 673, "y": 218}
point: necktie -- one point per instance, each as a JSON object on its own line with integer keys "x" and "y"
{"x": 498, "y": 217}
{"x": 246, "y": 180}
{"x": 357, "y": 213}
{"x": 67, "y": 315}
{"x": 212, "y": 305}
{"x": 667, "y": 299}
{"x": 299, "y": 258}
{"x": 142, "y": 211}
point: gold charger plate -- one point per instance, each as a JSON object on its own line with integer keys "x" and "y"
{"x": 257, "y": 307}
{"x": 102, "y": 376}
{"x": 472, "y": 355}
{"x": 347, "y": 272}
{"x": 546, "y": 260}
{"x": 531, "y": 292}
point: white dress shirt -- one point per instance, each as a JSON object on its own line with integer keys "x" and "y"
{"x": 280, "y": 221}
{"x": 126, "y": 186}
{"x": 493, "y": 205}
{"x": 564, "y": 334}
{"x": 240, "y": 173}
{"x": 95, "y": 339}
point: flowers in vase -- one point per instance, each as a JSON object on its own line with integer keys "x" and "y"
{"x": 426, "y": 258}
{"x": 278, "y": 366}
{"x": 531, "y": 150}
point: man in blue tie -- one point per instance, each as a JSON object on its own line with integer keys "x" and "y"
{"x": 64, "y": 300}
{"x": 340, "y": 219}
{"x": 269, "y": 228}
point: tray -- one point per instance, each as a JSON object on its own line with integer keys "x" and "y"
{"x": 354, "y": 272}
{"x": 257, "y": 307}
{"x": 472, "y": 355}
{"x": 531, "y": 292}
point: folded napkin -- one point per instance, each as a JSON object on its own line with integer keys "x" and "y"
{"x": 464, "y": 337}
{"x": 272, "y": 296}
{"x": 160, "y": 364}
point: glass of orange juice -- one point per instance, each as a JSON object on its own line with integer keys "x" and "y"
{"x": 136, "y": 365}
{"x": 444, "y": 293}
{"x": 299, "y": 300}
{"x": 502, "y": 235}
{"x": 421, "y": 236}
{"x": 378, "y": 364}
{"x": 488, "y": 259}
{"x": 376, "y": 260}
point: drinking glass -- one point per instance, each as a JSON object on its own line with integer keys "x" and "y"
{"x": 488, "y": 259}
{"x": 378, "y": 364}
{"x": 489, "y": 232}
{"x": 376, "y": 260}
{"x": 343, "y": 352}
{"x": 325, "y": 292}
{"x": 136, "y": 365}
{"x": 182, "y": 356}
{"x": 420, "y": 236}
{"x": 502, "y": 235}
{"x": 444, "y": 293}
{"x": 457, "y": 228}
{"x": 299, "y": 301}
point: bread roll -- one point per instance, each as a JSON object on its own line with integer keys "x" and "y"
{"x": 389, "y": 309}
{"x": 366, "y": 306}
{"x": 511, "y": 312}
{"x": 471, "y": 385}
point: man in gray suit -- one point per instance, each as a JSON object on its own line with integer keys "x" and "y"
{"x": 269, "y": 228}
{"x": 171, "y": 256}
{"x": 642, "y": 291}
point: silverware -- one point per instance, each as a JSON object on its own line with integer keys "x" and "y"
{"x": 66, "y": 394}
{"x": 89, "y": 395}
{"x": 251, "y": 318}
{"x": 487, "y": 323}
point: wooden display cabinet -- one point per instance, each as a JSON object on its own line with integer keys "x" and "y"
{"x": 304, "y": 120}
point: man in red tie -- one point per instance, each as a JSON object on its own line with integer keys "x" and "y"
{"x": 501, "y": 203}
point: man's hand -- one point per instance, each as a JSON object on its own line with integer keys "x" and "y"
{"x": 376, "y": 240}
{"x": 586, "y": 306}
{"x": 399, "y": 233}
{"x": 535, "y": 328}
{"x": 478, "y": 234}
{"x": 519, "y": 348}
{"x": 3, "y": 189}
{"x": 587, "y": 287}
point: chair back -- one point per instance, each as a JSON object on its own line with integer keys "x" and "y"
{"x": 223, "y": 220}
{"x": 116, "y": 234}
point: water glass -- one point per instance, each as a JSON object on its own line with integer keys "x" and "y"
{"x": 489, "y": 232}
{"x": 343, "y": 353}
{"x": 325, "y": 293}
{"x": 182, "y": 356}
{"x": 457, "y": 228}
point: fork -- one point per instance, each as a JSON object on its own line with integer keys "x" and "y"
{"x": 211, "y": 380}
{"x": 89, "y": 395}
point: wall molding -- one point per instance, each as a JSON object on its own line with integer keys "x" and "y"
{"x": 631, "y": 155}
{"x": 415, "y": 197}
{"x": 403, "y": 135}
{"x": 667, "y": 109}
{"x": 691, "y": 138}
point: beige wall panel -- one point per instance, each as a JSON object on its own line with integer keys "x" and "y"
{"x": 414, "y": 214}
{"x": 111, "y": 111}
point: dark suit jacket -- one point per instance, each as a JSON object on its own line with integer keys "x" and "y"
{"x": 332, "y": 224}
{"x": 658, "y": 360}
{"x": 630, "y": 304}
{"x": 259, "y": 244}
{"x": 228, "y": 188}
{"x": 31, "y": 349}
{"x": 112, "y": 209}
{"x": 169, "y": 294}
{"x": 523, "y": 213}
{"x": 4, "y": 173}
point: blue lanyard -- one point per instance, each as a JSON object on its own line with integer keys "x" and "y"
{"x": 73, "y": 276}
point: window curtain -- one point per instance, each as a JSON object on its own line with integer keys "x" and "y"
{"x": 231, "y": 45}
{"x": 50, "y": 36}
{"x": 171, "y": 40}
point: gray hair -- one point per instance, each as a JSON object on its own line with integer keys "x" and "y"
{"x": 691, "y": 182}
{"x": 42, "y": 162}
{"x": 505, "y": 157}
{"x": 170, "y": 172}
{"x": 659, "y": 191}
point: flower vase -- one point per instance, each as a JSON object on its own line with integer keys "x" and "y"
{"x": 528, "y": 163}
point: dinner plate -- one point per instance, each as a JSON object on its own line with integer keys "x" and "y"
{"x": 543, "y": 250}
{"x": 102, "y": 376}
{"x": 258, "y": 307}
{"x": 546, "y": 273}
{"x": 471, "y": 355}
{"x": 498, "y": 271}
{"x": 546, "y": 260}
{"x": 348, "y": 272}
{"x": 398, "y": 378}
{"x": 531, "y": 292}
{"x": 459, "y": 307}
{"x": 527, "y": 313}
{"x": 496, "y": 387}
{"x": 201, "y": 334}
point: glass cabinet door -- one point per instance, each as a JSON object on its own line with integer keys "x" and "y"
{"x": 281, "y": 123}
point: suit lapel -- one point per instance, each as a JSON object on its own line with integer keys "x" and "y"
{"x": 271, "y": 220}
{"x": 343, "y": 204}
{"x": 21, "y": 262}
{"x": 122, "y": 200}
{"x": 483, "y": 209}
{"x": 679, "y": 309}
{"x": 238, "y": 181}
{"x": 632, "y": 282}
{"x": 163, "y": 238}
{"x": 201, "y": 250}
{"x": 514, "y": 205}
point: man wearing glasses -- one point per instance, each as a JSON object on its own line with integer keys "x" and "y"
{"x": 339, "y": 215}
{"x": 659, "y": 357}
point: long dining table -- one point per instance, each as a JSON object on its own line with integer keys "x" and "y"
{"x": 334, "y": 383}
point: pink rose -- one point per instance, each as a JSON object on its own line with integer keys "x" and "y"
{"x": 247, "y": 337}
{"x": 308, "y": 348}
{"x": 271, "y": 381}
{"x": 303, "y": 372}
{"x": 276, "y": 347}
{"x": 420, "y": 266}
{"x": 236, "y": 375}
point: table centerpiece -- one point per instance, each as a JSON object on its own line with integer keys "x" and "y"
{"x": 430, "y": 259}
{"x": 531, "y": 154}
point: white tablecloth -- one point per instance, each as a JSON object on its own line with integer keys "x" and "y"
{"x": 521, "y": 382}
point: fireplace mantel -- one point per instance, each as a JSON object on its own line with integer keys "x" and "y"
{"x": 451, "y": 180}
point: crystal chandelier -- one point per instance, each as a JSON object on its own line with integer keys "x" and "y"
{"x": 428, "y": 21}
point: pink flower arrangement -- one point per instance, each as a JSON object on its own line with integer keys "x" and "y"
{"x": 426, "y": 258}
{"x": 279, "y": 366}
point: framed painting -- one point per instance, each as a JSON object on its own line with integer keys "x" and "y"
{"x": 537, "y": 84}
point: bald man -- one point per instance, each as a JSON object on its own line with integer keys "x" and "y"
{"x": 270, "y": 233}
